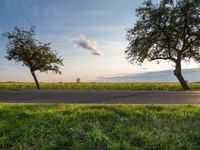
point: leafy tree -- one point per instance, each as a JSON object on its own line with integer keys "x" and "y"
{"x": 169, "y": 31}
{"x": 23, "y": 47}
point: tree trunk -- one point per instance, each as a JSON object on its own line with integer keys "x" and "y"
{"x": 178, "y": 74}
{"x": 35, "y": 78}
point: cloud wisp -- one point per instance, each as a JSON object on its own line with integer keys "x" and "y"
{"x": 87, "y": 44}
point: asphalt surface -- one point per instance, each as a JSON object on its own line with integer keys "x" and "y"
{"x": 99, "y": 97}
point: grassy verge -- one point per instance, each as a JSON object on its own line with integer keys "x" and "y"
{"x": 98, "y": 86}
{"x": 89, "y": 127}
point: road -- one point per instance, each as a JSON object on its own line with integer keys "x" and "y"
{"x": 99, "y": 97}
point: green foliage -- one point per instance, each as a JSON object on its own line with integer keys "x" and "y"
{"x": 169, "y": 30}
{"x": 98, "y": 86}
{"x": 23, "y": 47}
{"x": 100, "y": 127}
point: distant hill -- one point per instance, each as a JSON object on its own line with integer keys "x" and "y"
{"x": 191, "y": 75}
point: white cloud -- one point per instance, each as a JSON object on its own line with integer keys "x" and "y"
{"x": 87, "y": 44}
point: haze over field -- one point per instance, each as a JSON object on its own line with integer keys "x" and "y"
{"x": 89, "y": 35}
{"x": 191, "y": 75}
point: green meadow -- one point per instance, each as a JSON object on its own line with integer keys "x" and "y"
{"x": 140, "y": 86}
{"x": 99, "y": 127}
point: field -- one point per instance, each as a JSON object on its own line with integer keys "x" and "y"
{"x": 89, "y": 127}
{"x": 99, "y": 127}
{"x": 98, "y": 86}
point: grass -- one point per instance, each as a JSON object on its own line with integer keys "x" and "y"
{"x": 98, "y": 86}
{"x": 99, "y": 127}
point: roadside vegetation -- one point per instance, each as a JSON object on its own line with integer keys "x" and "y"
{"x": 96, "y": 127}
{"x": 140, "y": 86}
{"x": 23, "y": 47}
{"x": 168, "y": 31}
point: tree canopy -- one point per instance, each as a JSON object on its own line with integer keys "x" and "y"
{"x": 169, "y": 30}
{"x": 23, "y": 47}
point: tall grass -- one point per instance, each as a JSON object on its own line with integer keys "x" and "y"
{"x": 98, "y": 86}
{"x": 99, "y": 127}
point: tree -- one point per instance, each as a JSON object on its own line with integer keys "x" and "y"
{"x": 168, "y": 31}
{"x": 23, "y": 47}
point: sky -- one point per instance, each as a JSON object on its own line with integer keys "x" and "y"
{"x": 88, "y": 34}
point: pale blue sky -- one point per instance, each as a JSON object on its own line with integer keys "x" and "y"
{"x": 60, "y": 22}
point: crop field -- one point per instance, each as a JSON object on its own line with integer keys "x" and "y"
{"x": 100, "y": 127}
{"x": 140, "y": 86}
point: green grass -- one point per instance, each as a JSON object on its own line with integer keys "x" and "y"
{"x": 98, "y": 86}
{"x": 99, "y": 127}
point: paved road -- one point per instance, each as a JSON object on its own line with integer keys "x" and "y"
{"x": 107, "y": 97}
